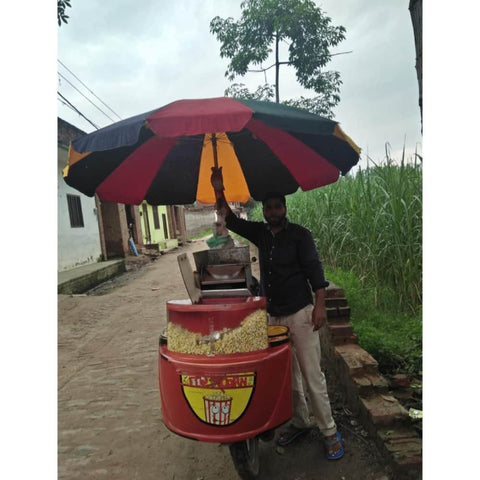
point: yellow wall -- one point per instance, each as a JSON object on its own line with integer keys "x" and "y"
{"x": 157, "y": 232}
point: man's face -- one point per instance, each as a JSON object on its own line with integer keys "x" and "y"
{"x": 274, "y": 212}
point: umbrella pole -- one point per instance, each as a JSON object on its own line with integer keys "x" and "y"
{"x": 219, "y": 196}
{"x": 214, "y": 146}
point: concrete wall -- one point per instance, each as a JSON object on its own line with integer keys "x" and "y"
{"x": 200, "y": 219}
{"x": 176, "y": 223}
{"x": 80, "y": 245}
{"x": 197, "y": 221}
{"x": 115, "y": 228}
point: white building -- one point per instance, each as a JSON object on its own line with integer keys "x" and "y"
{"x": 78, "y": 227}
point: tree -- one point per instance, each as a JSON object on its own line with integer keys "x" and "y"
{"x": 239, "y": 90}
{"x": 61, "y": 6}
{"x": 264, "y": 24}
{"x": 415, "y": 8}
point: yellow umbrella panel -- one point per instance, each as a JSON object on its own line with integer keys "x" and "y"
{"x": 236, "y": 189}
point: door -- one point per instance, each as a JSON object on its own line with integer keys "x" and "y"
{"x": 146, "y": 223}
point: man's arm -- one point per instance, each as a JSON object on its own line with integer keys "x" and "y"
{"x": 313, "y": 268}
{"x": 245, "y": 228}
{"x": 222, "y": 206}
{"x": 319, "y": 313}
{"x": 309, "y": 260}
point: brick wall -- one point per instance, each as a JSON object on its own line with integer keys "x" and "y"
{"x": 367, "y": 391}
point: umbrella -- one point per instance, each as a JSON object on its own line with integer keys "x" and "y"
{"x": 165, "y": 156}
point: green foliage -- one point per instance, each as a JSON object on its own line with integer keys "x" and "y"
{"x": 368, "y": 231}
{"x": 393, "y": 338}
{"x": 61, "y": 16}
{"x": 371, "y": 224}
{"x": 256, "y": 214}
{"x": 321, "y": 104}
{"x": 266, "y": 23}
{"x": 239, "y": 90}
{"x": 202, "y": 234}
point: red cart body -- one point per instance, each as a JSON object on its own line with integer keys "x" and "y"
{"x": 223, "y": 398}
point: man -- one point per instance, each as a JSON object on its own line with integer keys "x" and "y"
{"x": 289, "y": 270}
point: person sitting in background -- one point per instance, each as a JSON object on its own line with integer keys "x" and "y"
{"x": 221, "y": 237}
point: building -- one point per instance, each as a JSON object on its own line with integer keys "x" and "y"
{"x": 78, "y": 227}
{"x": 90, "y": 230}
{"x": 163, "y": 227}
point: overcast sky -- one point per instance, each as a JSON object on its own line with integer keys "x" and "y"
{"x": 136, "y": 59}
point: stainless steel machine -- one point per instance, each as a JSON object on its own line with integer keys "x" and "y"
{"x": 219, "y": 273}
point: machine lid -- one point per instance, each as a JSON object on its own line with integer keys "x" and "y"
{"x": 189, "y": 278}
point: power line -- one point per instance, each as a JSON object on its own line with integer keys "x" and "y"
{"x": 64, "y": 66}
{"x": 97, "y": 107}
{"x": 76, "y": 109}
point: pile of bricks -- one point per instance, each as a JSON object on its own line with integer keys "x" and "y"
{"x": 367, "y": 391}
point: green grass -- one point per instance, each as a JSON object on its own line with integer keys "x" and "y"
{"x": 368, "y": 231}
{"x": 370, "y": 224}
{"x": 204, "y": 233}
{"x": 393, "y": 338}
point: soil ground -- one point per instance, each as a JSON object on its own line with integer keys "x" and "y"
{"x": 109, "y": 414}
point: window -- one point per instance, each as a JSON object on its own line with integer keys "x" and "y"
{"x": 156, "y": 219}
{"x": 75, "y": 211}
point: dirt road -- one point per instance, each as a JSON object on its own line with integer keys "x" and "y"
{"x": 109, "y": 416}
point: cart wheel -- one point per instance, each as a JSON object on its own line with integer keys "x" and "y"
{"x": 246, "y": 458}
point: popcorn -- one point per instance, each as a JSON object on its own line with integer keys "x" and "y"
{"x": 249, "y": 336}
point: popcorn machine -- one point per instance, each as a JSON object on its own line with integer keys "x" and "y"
{"x": 224, "y": 375}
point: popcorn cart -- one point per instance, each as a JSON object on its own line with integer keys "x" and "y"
{"x": 221, "y": 378}
{"x": 224, "y": 376}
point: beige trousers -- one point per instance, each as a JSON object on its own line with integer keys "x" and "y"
{"x": 306, "y": 357}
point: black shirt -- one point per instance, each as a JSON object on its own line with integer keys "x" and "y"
{"x": 289, "y": 265}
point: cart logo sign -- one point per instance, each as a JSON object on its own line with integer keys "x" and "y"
{"x": 218, "y": 399}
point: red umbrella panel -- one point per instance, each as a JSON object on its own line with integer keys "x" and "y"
{"x": 165, "y": 156}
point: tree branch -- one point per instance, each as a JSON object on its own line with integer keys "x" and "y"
{"x": 268, "y": 68}
{"x": 340, "y": 53}
{"x": 289, "y": 63}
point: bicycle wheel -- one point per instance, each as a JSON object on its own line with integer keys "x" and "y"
{"x": 246, "y": 458}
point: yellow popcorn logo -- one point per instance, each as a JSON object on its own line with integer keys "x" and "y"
{"x": 218, "y": 399}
